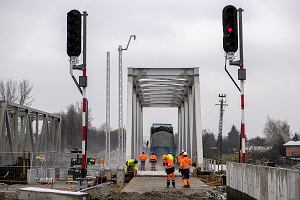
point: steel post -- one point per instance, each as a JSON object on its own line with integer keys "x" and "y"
{"x": 242, "y": 82}
{"x": 179, "y": 146}
{"x": 107, "y": 123}
{"x": 191, "y": 121}
{"x": 198, "y": 127}
{"x": 84, "y": 101}
{"x": 129, "y": 128}
{"x": 186, "y": 124}
{"x": 134, "y": 125}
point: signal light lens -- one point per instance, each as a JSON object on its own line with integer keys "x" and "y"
{"x": 230, "y": 29}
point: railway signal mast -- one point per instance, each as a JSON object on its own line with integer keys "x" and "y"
{"x": 74, "y": 51}
{"x": 232, "y": 37}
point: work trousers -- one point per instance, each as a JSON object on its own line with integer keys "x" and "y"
{"x": 153, "y": 165}
{"x": 143, "y": 165}
{"x": 185, "y": 176}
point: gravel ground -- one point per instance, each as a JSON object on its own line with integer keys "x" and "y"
{"x": 218, "y": 194}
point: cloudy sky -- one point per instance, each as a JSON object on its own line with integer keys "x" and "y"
{"x": 169, "y": 34}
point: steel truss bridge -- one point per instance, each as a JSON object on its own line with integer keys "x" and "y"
{"x": 165, "y": 87}
{"x": 25, "y": 129}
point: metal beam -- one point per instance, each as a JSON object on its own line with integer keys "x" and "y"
{"x": 162, "y": 71}
{"x": 129, "y": 128}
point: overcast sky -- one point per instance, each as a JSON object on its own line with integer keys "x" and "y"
{"x": 169, "y": 34}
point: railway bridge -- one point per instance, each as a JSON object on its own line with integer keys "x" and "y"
{"x": 165, "y": 87}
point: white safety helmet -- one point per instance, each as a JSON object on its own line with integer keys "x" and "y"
{"x": 184, "y": 153}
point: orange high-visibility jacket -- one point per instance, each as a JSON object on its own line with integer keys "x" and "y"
{"x": 143, "y": 157}
{"x": 180, "y": 157}
{"x": 153, "y": 157}
{"x": 185, "y": 163}
{"x": 168, "y": 163}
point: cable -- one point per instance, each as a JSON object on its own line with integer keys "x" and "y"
{"x": 210, "y": 111}
{"x": 230, "y": 74}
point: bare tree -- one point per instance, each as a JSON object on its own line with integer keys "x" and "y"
{"x": 24, "y": 92}
{"x": 276, "y": 131}
{"x": 8, "y": 91}
{"x": 16, "y": 92}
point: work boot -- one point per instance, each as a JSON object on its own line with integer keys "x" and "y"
{"x": 168, "y": 183}
{"x": 173, "y": 183}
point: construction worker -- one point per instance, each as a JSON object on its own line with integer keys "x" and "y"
{"x": 143, "y": 158}
{"x": 170, "y": 155}
{"x": 169, "y": 167}
{"x": 153, "y": 160}
{"x": 131, "y": 166}
{"x": 184, "y": 167}
{"x": 180, "y": 157}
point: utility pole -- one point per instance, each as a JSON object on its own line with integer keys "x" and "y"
{"x": 107, "y": 123}
{"x": 221, "y": 104}
{"x": 121, "y": 139}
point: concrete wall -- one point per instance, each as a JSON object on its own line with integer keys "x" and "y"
{"x": 262, "y": 182}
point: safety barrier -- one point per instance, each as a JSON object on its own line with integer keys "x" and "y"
{"x": 261, "y": 182}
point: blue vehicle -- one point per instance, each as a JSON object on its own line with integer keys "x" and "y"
{"x": 162, "y": 139}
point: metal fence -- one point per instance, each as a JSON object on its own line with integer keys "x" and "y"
{"x": 21, "y": 167}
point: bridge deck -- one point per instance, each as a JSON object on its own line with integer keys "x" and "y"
{"x": 148, "y": 184}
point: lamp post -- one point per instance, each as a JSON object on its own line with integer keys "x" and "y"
{"x": 121, "y": 145}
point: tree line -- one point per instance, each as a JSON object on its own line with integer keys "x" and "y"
{"x": 72, "y": 130}
{"x": 275, "y": 134}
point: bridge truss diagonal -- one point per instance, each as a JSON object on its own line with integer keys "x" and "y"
{"x": 165, "y": 87}
{"x": 25, "y": 129}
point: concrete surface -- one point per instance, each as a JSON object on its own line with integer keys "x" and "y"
{"x": 265, "y": 183}
{"x": 50, "y": 194}
{"x": 98, "y": 190}
{"x": 148, "y": 184}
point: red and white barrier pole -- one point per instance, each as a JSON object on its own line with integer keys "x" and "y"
{"x": 84, "y": 128}
{"x": 84, "y": 102}
{"x": 242, "y": 78}
{"x": 243, "y": 135}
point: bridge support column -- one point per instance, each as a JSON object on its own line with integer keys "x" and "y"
{"x": 137, "y": 127}
{"x": 129, "y": 128}
{"x": 182, "y": 128}
{"x": 191, "y": 121}
{"x": 198, "y": 126}
{"x": 134, "y": 124}
{"x": 186, "y": 124}
{"x": 141, "y": 129}
{"x": 179, "y": 132}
